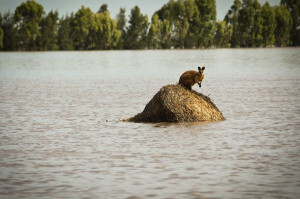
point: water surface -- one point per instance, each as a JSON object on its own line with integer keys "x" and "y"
{"x": 61, "y": 135}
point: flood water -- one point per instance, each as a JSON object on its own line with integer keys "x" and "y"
{"x": 61, "y": 135}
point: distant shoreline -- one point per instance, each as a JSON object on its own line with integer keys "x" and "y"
{"x": 177, "y": 49}
{"x": 176, "y": 25}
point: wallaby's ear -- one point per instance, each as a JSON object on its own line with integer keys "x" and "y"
{"x": 199, "y": 68}
{"x": 203, "y": 68}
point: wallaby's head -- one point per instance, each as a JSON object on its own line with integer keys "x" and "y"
{"x": 200, "y": 74}
{"x": 201, "y": 70}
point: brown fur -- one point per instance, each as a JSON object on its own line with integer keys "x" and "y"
{"x": 191, "y": 77}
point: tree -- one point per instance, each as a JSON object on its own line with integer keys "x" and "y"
{"x": 48, "y": 37}
{"x": 121, "y": 26}
{"x": 294, "y": 8}
{"x": 181, "y": 25}
{"x": 64, "y": 33}
{"x": 268, "y": 25}
{"x": 283, "y": 27}
{"x": 115, "y": 34}
{"x": 103, "y": 8}
{"x": 223, "y": 35}
{"x": 166, "y": 41}
{"x": 9, "y": 32}
{"x": 1, "y": 38}
{"x": 192, "y": 14}
{"x": 180, "y": 17}
{"x": 250, "y": 24}
{"x": 28, "y": 17}
{"x": 231, "y": 19}
{"x": 80, "y": 28}
{"x": 206, "y": 24}
{"x": 256, "y": 33}
{"x": 136, "y": 36}
{"x": 154, "y": 35}
{"x": 165, "y": 16}
{"x": 177, "y": 24}
{"x": 1, "y": 32}
{"x": 104, "y": 32}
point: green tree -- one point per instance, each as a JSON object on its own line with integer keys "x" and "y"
{"x": 48, "y": 27}
{"x": 283, "y": 27}
{"x": 206, "y": 24}
{"x": 294, "y": 8}
{"x": 164, "y": 12}
{"x": 256, "y": 33}
{"x": 103, "y": 8}
{"x": 166, "y": 26}
{"x": 121, "y": 26}
{"x": 231, "y": 19}
{"x": 9, "y": 32}
{"x": 104, "y": 32}
{"x": 64, "y": 33}
{"x": 94, "y": 31}
{"x": 223, "y": 34}
{"x": 166, "y": 15}
{"x": 115, "y": 34}
{"x": 154, "y": 35}
{"x": 180, "y": 17}
{"x": 80, "y": 28}
{"x": 250, "y": 24}
{"x": 192, "y": 14}
{"x": 269, "y": 24}
{"x": 181, "y": 25}
{"x": 136, "y": 36}
{"x": 28, "y": 17}
{"x": 166, "y": 41}
{"x": 1, "y": 38}
{"x": 1, "y": 32}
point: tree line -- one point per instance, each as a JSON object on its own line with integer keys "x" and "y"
{"x": 177, "y": 24}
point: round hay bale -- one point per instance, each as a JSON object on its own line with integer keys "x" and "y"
{"x": 175, "y": 103}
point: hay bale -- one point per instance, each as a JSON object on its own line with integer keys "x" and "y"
{"x": 175, "y": 103}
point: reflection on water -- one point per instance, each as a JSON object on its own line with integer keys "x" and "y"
{"x": 60, "y": 134}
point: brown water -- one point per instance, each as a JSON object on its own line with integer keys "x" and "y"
{"x": 60, "y": 135}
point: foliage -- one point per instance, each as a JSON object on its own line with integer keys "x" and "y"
{"x": 1, "y": 38}
{"x": 136, "y": 34}
{"x": 181, "y": 24}
{"x": 64, "y": 39}
{"x": 205, "y": 25}
{"x": 154, "y": 35}
{"x": 27, "y": 19}
{"x": 90, "y": 31}
{"x": 269, "y": 24}
{"x": 250, "y": 24}
{"x": 294, "y": 9}
{"x": 231, "y": 19}
{"x": 166, "y": 41}
{"x": 121, "y": 26}
{"x": 223, "y": 34}
{"x": 104, "y": 32}
{"x": 103, "y": 8}
{"x": 9, "y": 32}
{"x": 177, "y": 24}
{"x": 192, "y": 15}
{"x": 80, "y": 29}
{"x": 192, "y": 22}
{"x": 1, "y": 33}
{"x": 284, "y": 26}
{"x": 47, "y": 39}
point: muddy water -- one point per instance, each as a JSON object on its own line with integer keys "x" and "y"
{"x": 60, "y": 134}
